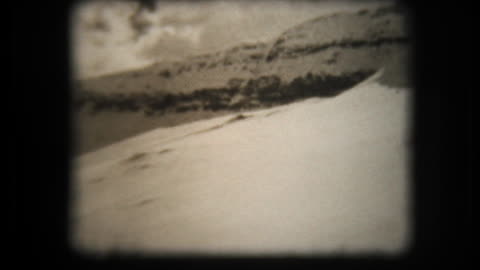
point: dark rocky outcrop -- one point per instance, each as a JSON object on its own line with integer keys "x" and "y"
{"x": 264, "y": 91}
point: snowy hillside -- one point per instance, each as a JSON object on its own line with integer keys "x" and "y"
{"x": 332, "y": 44}
{"x": 320, "y": 57}
{"x": 317, "y": 175}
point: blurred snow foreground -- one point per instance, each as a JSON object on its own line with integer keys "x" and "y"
{"x": 319, "y": 176}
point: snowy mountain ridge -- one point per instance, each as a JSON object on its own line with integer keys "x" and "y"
{"x": 328, "y": 44}
{"x": 319, "y": 58}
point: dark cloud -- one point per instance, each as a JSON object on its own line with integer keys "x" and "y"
{"x": 149, "y": 5}
{"x": 139, "y": 23}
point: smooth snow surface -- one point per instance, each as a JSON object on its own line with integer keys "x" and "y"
{"x": 312, "y": 177}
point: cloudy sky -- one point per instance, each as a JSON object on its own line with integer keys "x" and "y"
{"x": 111, "y": 36}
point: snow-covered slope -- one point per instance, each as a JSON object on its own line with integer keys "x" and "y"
{"x": 315, "y": 176}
